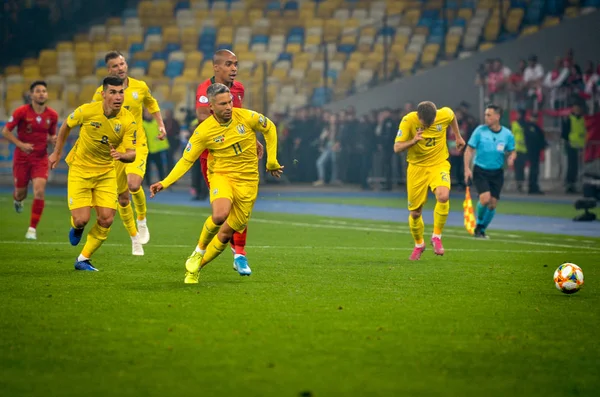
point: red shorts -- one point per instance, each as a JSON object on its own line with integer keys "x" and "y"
{"x": 28, "y": 168}
{"x": 204, "y": 168}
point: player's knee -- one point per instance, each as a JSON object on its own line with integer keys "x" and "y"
{"x": 106, "y": 220}
{"x": 415, "y": 214}
{"x": 484, "y": 199}
{"x": 38, "y": 194}
{"x": 220, "y": 216}
{"x": 443, "y": 197}
{"x": 80, "y": 221}
{"x": 134, "y": 186}
{"x": 124, "y": 199}
{"x": 20, "y": 195}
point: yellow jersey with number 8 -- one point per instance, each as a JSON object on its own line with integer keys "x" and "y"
{"x": 432, "y": 149}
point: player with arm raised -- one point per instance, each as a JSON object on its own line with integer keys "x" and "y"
{"x": 423, "y": 135}
{"x": 36, "y": 126}
{"x": 230, "y": 136}
{"x": 92, "y": 181}
{"x": 225, "y": 65}
{"x": 489, "y": 143}
{"x": 130, "y": 176}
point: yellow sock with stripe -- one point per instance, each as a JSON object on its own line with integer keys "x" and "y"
{"x": 214, "y": 249}
{"x": 440, "y": 216}
{"x": 139, "y": 201}
{"x": 417, "y": 228}
{"x": 126, "y": 214}
{"x": 209, "y": 231}
{"x": 95, "y": 238}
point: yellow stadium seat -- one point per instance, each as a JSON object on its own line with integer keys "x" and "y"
{"x": 81, "y": 38}
{"x": 530, "y": 30}
{"x": 465, "y": 13}
{"x": 280, "y": 73}
{"x": 485, "y": 46}
{"x": 29, "y": 62}
{"x": 143, "y": 56}
{"x": 492, "y": 30}
{"x": 315, "y": 23}
{"x": 193, "y": 59}
{"x": 207, "y": 69}
{"x": 179, "y": 92}
{"x": 83, "y": 47}
{"x": 371, "y": 64}
{"x": 117, "y": 42}
{"x": 293, "y": 48}
{"x": 406, "y": 66}
{"x": 100, "y": 47}
{"x": 422, "y": 30}
{"x": 352, "y": 66}
{"x": 134, "y": 38}
{"x": 31, "y": 72}
{"x": 189, "y": 39}
{"x": 156, "y": 68}
{"x": 412, "y": 16}
{"x": 64, "y": 46}
{"x": 171, "y": 34}
{"x": 190, "y": 73}
{"x": 12, "y": 70}
{"x": 113, "y": 21}
{"x": 572, "y": 12}
{"x": 514, "y": 19}
{"x": 349, "y": 39}
{"x": 550, "y": 21}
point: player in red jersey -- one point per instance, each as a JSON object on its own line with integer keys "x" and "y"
{"x": 225, "y": 65}
{"x": 36, "y": 126}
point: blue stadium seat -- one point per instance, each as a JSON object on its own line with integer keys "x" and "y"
{"x": 100, "y": 63}
{"x": 555, "y": 7}
{"x": 431, "y": 14}
{"x": 387, "y": 31}
{"x": 136, "y": 47}
{"x": 172, "y": 47}
{"x": 332, "y": 73}
{"x": 160, "y": 55}
{"x": 435, "y": 38}
{"x": 259, "y": 39}
{"x": 296, "y": 31}
{"x": 153, "y": 30}
{"x": 291, "y": 5}
{"x": 209, "y": 31}
{"x": 452, "y": 4}
{"x": 130, "y": 13}
{"x": 273, "y": 6}
{"x": 320, "y": 96}
{"x": 174, "y": 69}
{"x": 141, "y": 64}
{"x": 346, "y": 48}
{"x": 225, "y": 46}
{"x": 518, "y": 4}
{"x": 468, "y": 4}
{"x": 459, "y": 22}
{"x": 285, "y": 56}
{"x": 427, "y": 22}
{"x": 295, "y": 39}
{"x": 182, "y": 5}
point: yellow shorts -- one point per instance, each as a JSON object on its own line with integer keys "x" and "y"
{"x": 138, "y": 167}
{"x": 418, "y": 179}
{"x": 92, "y": 191}
{"x": 242, "y": 195}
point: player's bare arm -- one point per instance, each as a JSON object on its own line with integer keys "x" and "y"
{"x": 127, "y": 157}
{"x": 512, "y": 156}
{"x": 161, "y": 125}
{"x": 202, "y": 113}
{"x": 460, "y": 142}
{"x": 469, "y": 153}
{"x": 9, "y": 136}
{"x": 402, "y": 146}
{"x": 61, "y": 138}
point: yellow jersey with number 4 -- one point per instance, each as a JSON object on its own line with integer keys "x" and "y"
{"x": 137, "y": 96}
{"x": 432, "y": 149}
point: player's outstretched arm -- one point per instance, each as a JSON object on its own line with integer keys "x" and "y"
{"x": 269, "y": 131}
{"x": 63, "y": 133}
{"x": 460, "y": 142}
{"x": 469, "y": 152}
{"x": 182, "y": 166}
{"x": 9, "y": 136}
{"x": 162, "y": 132}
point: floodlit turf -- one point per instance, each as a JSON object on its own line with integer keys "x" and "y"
{"x": 506, "y": 206}
{"x": 333, "y": 308}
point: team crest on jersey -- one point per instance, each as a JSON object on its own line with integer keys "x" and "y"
{"x": 203, "y": 99}
{"x": 262, "y": 120}
{"x": 188, "y": 147}
{"x": 96, "y": 124}
{"x": 47, "y": 121}
{"x": 215, "y": 192}
{"x": 38, "y": 119}
{"x": 72, "y": 116}
{"x": 117, "y": 128}
{"x": 11, "y": 119}
{"x": 241, "y": 129}
{"x": 135, "y": 95}
{"x": 438, "y": 127}
{"x": 219, "y": 139}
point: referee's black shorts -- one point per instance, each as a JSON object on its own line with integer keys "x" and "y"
{"x": 488, "y": 181}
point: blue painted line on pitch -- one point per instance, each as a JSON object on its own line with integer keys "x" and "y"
{"x": 537, "y": 224}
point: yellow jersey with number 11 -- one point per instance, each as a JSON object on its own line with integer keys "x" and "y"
{"x": 432, "y": 149}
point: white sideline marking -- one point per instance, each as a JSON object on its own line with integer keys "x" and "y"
{"x": 282, "y": 247}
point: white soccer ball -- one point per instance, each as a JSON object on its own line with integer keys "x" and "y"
{"x": 568, "y": 278}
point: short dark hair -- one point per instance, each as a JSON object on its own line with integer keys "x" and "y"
{"x": 495, "y": 108}
{"x": 427, "y": 111}
{"x": 36, "y": 83}
{"x": 112, "y": 55}
{"x": 111, "y": 80}
{"x": 215, "y": 89}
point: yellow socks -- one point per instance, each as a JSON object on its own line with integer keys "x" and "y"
{"x": 417, "y": 228}
{"x": 126, "y": 214}
{"x": 213, "y": 250}
{"x": 95, "y": 238}
{"x": 209, "y": 230}
{"x": 139, "y": 201}
{"x": 440, "y": 215}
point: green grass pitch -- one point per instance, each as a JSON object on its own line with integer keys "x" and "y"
{"x": 333, "y": 308}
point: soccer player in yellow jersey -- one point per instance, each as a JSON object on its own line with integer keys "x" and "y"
{"x": 92, "y": 181}
{"x": 130, "y": 176}
{"x": 423, "y": 134}
{"x": 230, "y": 137}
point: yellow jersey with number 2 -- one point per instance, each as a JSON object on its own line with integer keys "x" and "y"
{"x": 432, "y": 149}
